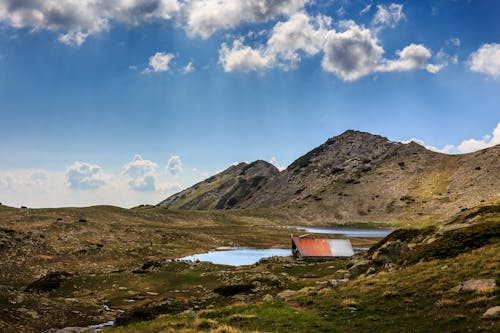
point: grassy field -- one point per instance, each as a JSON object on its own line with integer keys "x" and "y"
{"x": 121, "y": 259}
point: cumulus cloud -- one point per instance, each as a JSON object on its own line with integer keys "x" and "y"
{"x": 486, "y": 60}
{"x": 351, "y": 54}
{"x": 466, "y": 146}
{"x": 242, "y": 58}
{"x": 142, "y": 174}
{"x": 299, "y": 34}
{"x": 31, "y": 180}
{"x": 76, "y": 20}
{"x": 204, "y": 17}
{"x": 85, "y": 176}
{"x": 489, "y": 140}
{"x": 414, "y": 56}
{"x": 159, "y": 62}
{"x": 174, "y": 165}
{"x": 388, "y": 16}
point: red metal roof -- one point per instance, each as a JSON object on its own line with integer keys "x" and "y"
{"x": 311, "y": 247}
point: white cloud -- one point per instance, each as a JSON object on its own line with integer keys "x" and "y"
{"x": 189, "y": 68}
{"x": 174, "y": 165}
{"x": 351, "y": 54}
{"x": 76, "y": 20}
{"x": 274, "y": 161}
{"x": 30, "y": 180}
{"x": 204, "y": 17}
{"x": 471, "y": 145}
{"x": 466, "y": 146}
{"x": 414, "y": 56}
{"x": 85, "y": 176}
{"x": 388, "y": 16}
{"x": 142, "y": 173}
{"x": 159, "y": 62}
{"x": 299, "y": 33}
{"x": 486, "y": 60}
{"x": 366, "y": 9}
{"x": 455, "y": 41}
{"x": 241, "y": 58}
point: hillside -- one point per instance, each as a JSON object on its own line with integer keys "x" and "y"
{"x": 357, "y": 176}
{"x": 225, "y": 189}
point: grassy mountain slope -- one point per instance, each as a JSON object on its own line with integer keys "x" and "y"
{"x": 225, "y": 189}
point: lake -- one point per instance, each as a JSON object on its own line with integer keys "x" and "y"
{"x": 346, "y": 232}
{"x": 237, "y": 256}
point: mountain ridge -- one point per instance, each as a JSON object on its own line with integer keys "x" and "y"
{"x": 359, "y": 176}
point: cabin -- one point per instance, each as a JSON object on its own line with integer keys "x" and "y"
{"x": 307, "y": 248}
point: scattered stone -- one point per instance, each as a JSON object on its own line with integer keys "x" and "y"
{"x": 371, "y": 271}
{"x": 481, "y": 285}
{"x": 333, "y": 283}
{"x": 268, "y": 298}
{"x": 493, "y": 312}
{"x": 322, "y": 284}
{"x": 286, "y": 294}
{"x": 359, "y": 267}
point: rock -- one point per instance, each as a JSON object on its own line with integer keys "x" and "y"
{"x": 150, "y": 264}
{"x": 390, "y": 252}
{"x": 285, "y": 295}
{"x": 333, "y": 283}
{"x": 48, "y": 282}
{"x": 322, "y": 284}
{"x": 452, "y": 227}
{"x": 371, "y": 271}
{"x": 493, "y": 312}
{"x": 359, "y": 267}
{"x": 482, "y": 285}
{"x": 268, "y": 298}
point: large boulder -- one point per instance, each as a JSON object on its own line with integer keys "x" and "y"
{"x": 481, "y": 285}
{"x": 390, "y": 252}
{"x": 48, "y": 282}
{"x": 493, "y": 312}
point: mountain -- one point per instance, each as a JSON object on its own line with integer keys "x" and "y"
{"x": 226, "y": 189}
{"x": 358, "y": 176}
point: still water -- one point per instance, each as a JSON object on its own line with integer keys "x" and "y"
{"x": 237, "y": 256}
{"x": 346, "y": 232}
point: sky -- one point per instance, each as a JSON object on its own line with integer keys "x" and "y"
{"x": 125, "y": 102}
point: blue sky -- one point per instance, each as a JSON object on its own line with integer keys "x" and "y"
{"x": 125, "y": 102}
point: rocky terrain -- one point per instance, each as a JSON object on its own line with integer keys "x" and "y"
{"x": 442, "y": 278}
{"x": 64, "y": 270}
{"x": 358, "y": 176}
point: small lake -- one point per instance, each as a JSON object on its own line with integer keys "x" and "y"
{"x": 237, "y": 256}
{"x": 346, "y": 232}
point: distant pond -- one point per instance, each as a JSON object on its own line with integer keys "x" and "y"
{"x": 237, "y": 256}
{"x": 346, "y": 232}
